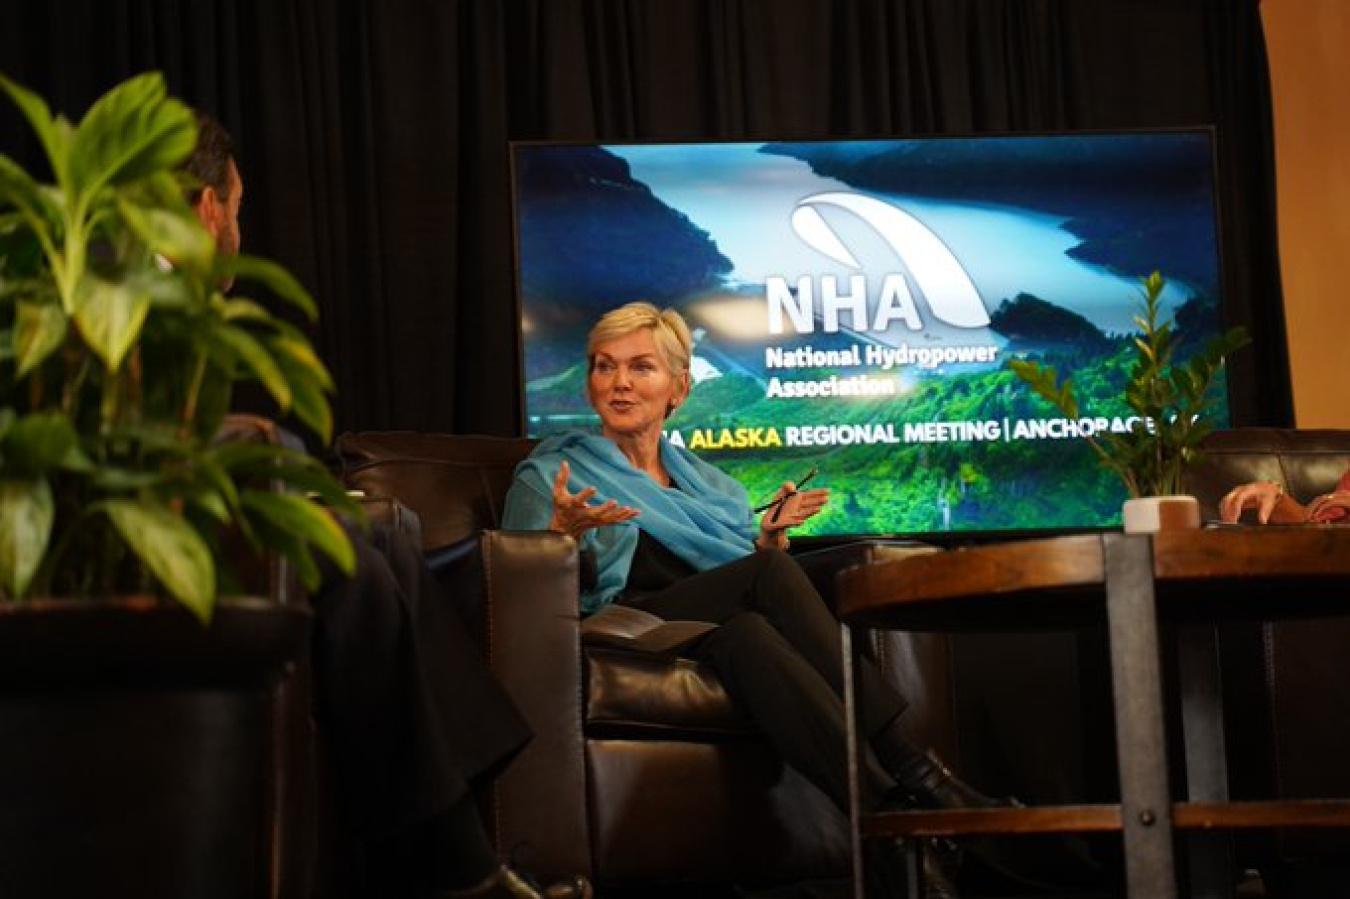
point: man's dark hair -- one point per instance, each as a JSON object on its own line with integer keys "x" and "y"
{"x": 209, "y": 163}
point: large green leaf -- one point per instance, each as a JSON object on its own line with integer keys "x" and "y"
{"x": 300, "y": 353}
{"x": 291, "y": 548}
{"x": 27, "y": 511}
{"x": 243, "y": 309}
{"x": 39, "y": 117}
{"x": 110, "y": 315}
{"x": 177, "y": 236}
{"x": 169, "y": 546}
{"x": 124, "y": 479}
{"x": 310, "y": 382}
{"x": 130, "y": 132}
{"x": 247, "y": 458}
{"x": 167, "y": 189}
{"x": 310, "y": 405}
{"x": 305, "y": 519}
{"x": 39, "y": 329}
{"x": 214, "y": 492}
{"x": 23, "y": 256}
{"x": 256, "y": 357}
{"x": 272, "y": 276}
{"x": 18, "y": 189}
{"x": 39, "y": 443}
{"x": 256, "y": 462}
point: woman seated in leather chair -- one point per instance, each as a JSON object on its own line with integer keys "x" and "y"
{"x": 1274, "y": 506}
{"x": 676, "y": 537}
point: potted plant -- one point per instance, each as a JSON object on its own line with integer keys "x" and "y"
{"x": 1169, "y": 399}
{"x": 119, "y": 352}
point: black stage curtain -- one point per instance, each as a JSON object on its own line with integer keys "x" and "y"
{"x": 374, "y": 134}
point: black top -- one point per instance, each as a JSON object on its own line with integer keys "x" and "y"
{"x": 654, "y": 568}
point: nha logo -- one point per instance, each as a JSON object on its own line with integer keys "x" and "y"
{"x": 933, "y": 269}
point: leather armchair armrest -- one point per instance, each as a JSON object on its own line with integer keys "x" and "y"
{"x": 821, "y": 565}
{"x": 390, "y": 512}
{"x": 530, "y": 618}
{"x": 919, "y": 664}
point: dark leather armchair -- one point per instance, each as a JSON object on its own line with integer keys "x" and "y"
{"x": 642, "y": 769}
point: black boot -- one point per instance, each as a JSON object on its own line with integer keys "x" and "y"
{"x": 930, "y": 784}
{"x": 925, "y": 782}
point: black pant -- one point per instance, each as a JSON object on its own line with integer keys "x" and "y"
{"x": 406, "y": 704}
{"x": 777, "y": 651}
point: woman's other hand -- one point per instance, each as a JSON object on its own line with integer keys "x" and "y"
{"x": 572, "y": 515}
{"x": 1330, "y": 507}
{"x": 1262, "y": 496}
{"x": 792, "y": 508}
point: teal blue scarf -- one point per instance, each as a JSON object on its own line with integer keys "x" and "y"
{"x": 706, "y": 521}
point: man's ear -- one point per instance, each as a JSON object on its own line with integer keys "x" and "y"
{"x": 207, "y": 208}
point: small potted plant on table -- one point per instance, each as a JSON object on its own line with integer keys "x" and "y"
{"x": 1169, "y": 400}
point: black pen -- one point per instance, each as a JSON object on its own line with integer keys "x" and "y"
{"x": 779, "y": 502}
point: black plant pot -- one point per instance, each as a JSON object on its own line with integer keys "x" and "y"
{"x": 138, "y": 748}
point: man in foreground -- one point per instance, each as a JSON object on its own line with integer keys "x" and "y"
{"x": 409, "y": 711}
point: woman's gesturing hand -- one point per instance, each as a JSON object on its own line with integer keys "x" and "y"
{"x": 572, "y": 515}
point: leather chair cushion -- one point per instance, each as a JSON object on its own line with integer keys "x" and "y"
{"x": 656, "y": 697}
{"x": 728, "y": 812}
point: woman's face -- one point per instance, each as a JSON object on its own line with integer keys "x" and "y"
{"x": 632, "y": 387}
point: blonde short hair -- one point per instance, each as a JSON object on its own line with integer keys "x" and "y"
{"x": 667, "y": 327}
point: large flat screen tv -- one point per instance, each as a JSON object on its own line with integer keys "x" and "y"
{"x": 855, "y": 303}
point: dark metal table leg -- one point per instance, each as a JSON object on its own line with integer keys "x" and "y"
{"x": 1212, "y": 874}
{"x": 851, "y": 728}
{"x": 1136, "y": 676}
